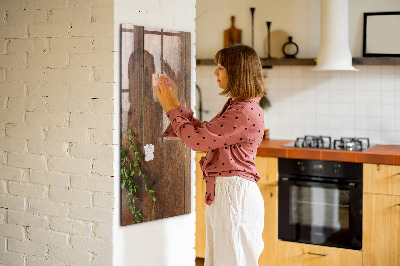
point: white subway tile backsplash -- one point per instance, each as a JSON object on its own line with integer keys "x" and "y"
{"x": 310, "y": 109}
{"x": 286, "y": 120}
{"x": 284, "y": 72}
{"x": 397, "y": 135}
{"x": 387, "y": 72}
{"x": 297, "y": 72}
{"x": 397, "y": 110}
{"x": 310, "y": 95}
{"x": 365, "y": 103}
{"x": 388, "y": 111}
{"x": 335, "y": 122}
{"x": 322, "y": 109}
{"x": 285, "y": 132}
{"x": 397, "y": 96}
{"x": 348, "y": 122}
{"x": 361, "y": 110}
{"x": 348, "y": 133}
{"x": 373, "y": 70}
{"x": 388, "y": 124}
{"x": 322, "y": 121}
{"x": 375, "y": 136}
{"x": 374, "y": 123}
{"x": 348, "y": 96}
{"x": 388, "y": 97}
{"x": 374, "y": 84}
{"x": 388, "y": 84}
{"x": 374, "y": 111}
{"x": 389, "y": 136}
{"x": 360, "y": 97}
{"x": 284, "y": 83}
{"x": 297, "y": 97}
{"x": 308, "y": 72}
{"x": 347, "y": 77}
{"x": 335, "y": 95}
{"x": 297, "y": 83}
{"x": 361, "y": 123}
{"x": 347, "y": 110}
{"x": 374, "y": 97}
{"x": 360, "y": 133}
{"x": 334, "y": 109}
{"x": 322, "y": 95}
{"x": 397, "y": 72}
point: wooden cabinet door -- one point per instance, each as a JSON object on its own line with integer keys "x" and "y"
{"x": 381, "y": 230}
{"x": 200, "y": 209}
{"x": 267, "y": 168}
{"x": 270, "y": 233}
{"x": 381, "y": 179}
{"x": 297, "y": 254}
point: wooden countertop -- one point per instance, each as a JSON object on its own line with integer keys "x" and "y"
{"x": 379, "y": 154}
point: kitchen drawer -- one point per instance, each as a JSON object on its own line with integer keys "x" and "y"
{"x": 381, "y": 179}
{"x": 298, "y": 254}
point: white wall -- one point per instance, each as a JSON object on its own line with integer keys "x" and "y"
{"x": 168, "y": 241}
{"x": 299, "y": 18}
{"x": 338, "y": 104}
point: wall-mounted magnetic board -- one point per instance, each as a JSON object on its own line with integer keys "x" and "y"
{"x": 144, "y": 52}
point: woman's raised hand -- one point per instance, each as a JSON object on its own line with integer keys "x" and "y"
{"x": 163, "y": 91}
{"x": 174, "y": 89}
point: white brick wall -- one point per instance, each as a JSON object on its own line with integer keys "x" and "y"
{"x": 56, "y": 124}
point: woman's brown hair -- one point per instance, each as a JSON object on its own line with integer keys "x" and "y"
{"x": 245, "y": 78}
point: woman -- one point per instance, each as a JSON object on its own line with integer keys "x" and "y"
{"x": 235, "y": 207}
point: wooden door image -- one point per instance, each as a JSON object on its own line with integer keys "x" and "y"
{"x": 155, "y": 170}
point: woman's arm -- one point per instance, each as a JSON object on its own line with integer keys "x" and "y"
{"x": 225, "y": 130}
{"x": 187, "y": 113}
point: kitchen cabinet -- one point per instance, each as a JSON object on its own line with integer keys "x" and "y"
{"x": 267, "y": 168}
{"x": 200, "y": 209}
{"x": 381, "y": 230}
{"x": 381, "y": 179}
{"x": 298, "y": 254}
{"x": 381, "y": 215}
{"x": 270, "y": 233}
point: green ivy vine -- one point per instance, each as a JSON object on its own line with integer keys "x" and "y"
{"x": 129, "y": 171}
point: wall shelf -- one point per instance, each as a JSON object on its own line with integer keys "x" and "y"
{"x": 312, "y": 61}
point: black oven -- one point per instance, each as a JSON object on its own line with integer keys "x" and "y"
{"x": 320, "y": 202}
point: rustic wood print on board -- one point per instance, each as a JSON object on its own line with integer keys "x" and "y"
{"x": 144, "y": 52}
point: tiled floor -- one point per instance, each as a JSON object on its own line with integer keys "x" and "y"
{"x": 199, "y": 262}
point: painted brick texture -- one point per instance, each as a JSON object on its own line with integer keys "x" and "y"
{"x": 56, "y": 127}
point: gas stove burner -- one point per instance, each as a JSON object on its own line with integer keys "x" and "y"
{"x": 321, "y": 142}
{"x": 351, "y": 144}
{"x": 324, "y": 142}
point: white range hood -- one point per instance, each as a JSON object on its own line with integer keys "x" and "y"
{"x": 334, "y": 51}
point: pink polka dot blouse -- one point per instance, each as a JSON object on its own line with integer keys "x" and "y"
{"x": 231, "y": 139}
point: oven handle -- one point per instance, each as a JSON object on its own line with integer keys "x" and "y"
{"x": 298, "y": 181}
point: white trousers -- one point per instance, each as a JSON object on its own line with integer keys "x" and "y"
{"x": 234, "y": 223}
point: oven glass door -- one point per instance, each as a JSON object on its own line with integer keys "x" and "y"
{"x": 319, "y": 213}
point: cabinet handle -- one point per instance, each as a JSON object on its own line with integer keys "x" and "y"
{"x": 318, "y": 254}
{"x": 398, "y": 204}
